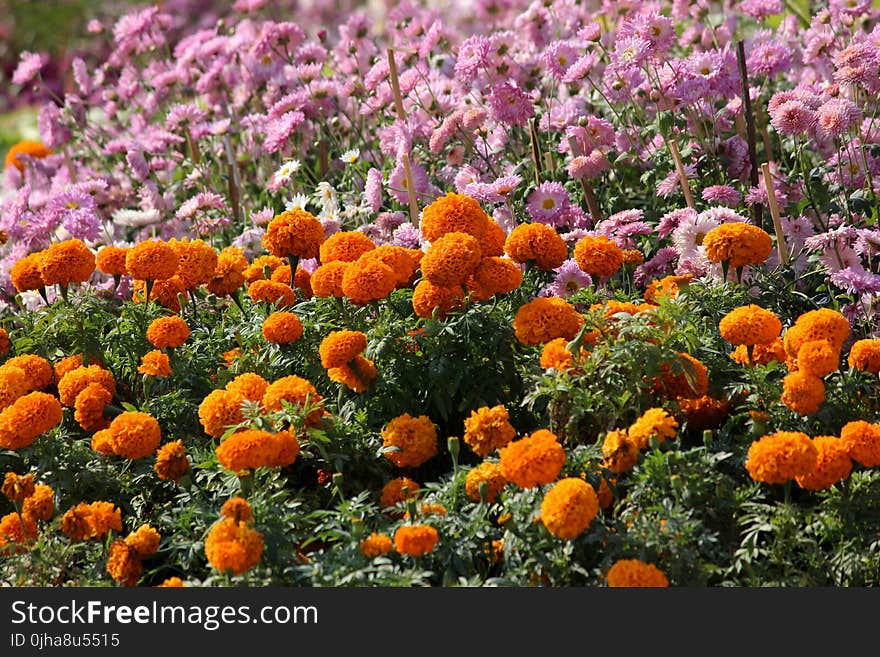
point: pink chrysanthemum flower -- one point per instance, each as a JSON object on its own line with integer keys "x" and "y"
{"x": 723, "y": 194}
{"x": 837, "y": 116}
{"x": 792, "y": 118}
{"x": 547, "y": 202}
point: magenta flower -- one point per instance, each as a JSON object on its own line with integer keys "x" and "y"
{"x": 547, "y": 202}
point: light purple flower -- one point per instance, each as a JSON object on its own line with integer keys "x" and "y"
{"x": 547, "y": 202}
{"x": 569, "y": 279}
{"x": 724, "y": 194}
{"x": 29, "y": 66}
{"x": 373, "y": 189}
{"x": 278, "y": 132}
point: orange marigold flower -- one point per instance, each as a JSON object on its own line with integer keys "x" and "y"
{"x": 488, "y": 473}
{"x": 604, "y": 494}
{"x": 415, "y": 540}
{"x": 197, "y": 261}
{"x": 821, "y": 324}
{"x": 70, "y": 261}
{"x": 451, "y": 259}
{"x": 346, "y": 246}
{"x": 91, "y": 520}
{"x": 27, "y": 147}
{"x": 17, "y": 487}
{"x": 13, "y": 384}
{"x": 25, "y": 273}
{"x": 397, "y": 258}
{"x": 134, "y": 434}
{"x": 272, "y": 292}
{"x": 668, "y": 286}
{"x": 633, "y": 257}
{"x": 340, "y": 347}
{"x": 144, "y": 541}
{"x": 171, "y": 462}
{"x": 556, "y": 356}
{"x": 498, "y": 275}
{"x": 237, "y": 508}
{"x": 166, "y": 292}
{"x": 738, "y": 244}
{"x": 294, "y": 233}
{"x": 65, "y": 365}
{"x": 862, "y": 442}
{"x": 262, "y": 267}
{"x": 703, "y": 412}
{"x": 111, "y": 260}
{"x": 40, "y": 505}
{"x": 832, "y": 465}
{"x": 327, "y": 279}
{"x": 536, "y": 243}
{"x": 248, "y": 386}
{"x": 253, "y": 448}
{"x": 492, "y": 241}
{"x": 818, "y": 358}
{"x": 414, "y": 437}
{"x": 750, "y": 325}
{"x": 598, "y": 256}
{"x": 297, "y": 391}
{"x": 218, "y": 411}
{"x": 488, "y": 429}
{"x": 233, "y": 546}
{"x": 155, "y": 363}
{"x": 635, "y": 573}
{"x": 365, "y": 281}
{"x": 75, "y": 381}
{"x": 123, "y": 563}
{"x": 38, "y": 370}
{"x": 803, "y": 393}
{"x": 172, "y": 582}
{"x": 546, "y": 318}
{"x": 282, "y": 328}
{"x": 357, "y": 375}
{"x": 5, "y": 342}
{"x": 376, "y": 544}
{"x": 101, "y": 442}
{"x": 683, "y": 377}
{"x": 29, "y": 417}
{"x": 167, "y": 332}
{"x": 762, "y": 354}
{"x": 782, "y": 456}
{"x": 399, "y": 489}
{"x": 228, "y": 275}
{"x": 653, "y": 422}
{"x": 151, "y": 260}
{"x": 428, "y": 297}
{"x": 532, "y": 461}
{"x": 453, "y": 213}
{"x": 17, "y": 529}
{"x": 569, "y": 507}
{"x": 864, "y": 355}
{"x": 89, "y": 407}
{"x": 620, "y": 451}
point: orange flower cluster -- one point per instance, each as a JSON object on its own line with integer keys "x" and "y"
{"x": 738, "y": 244}
{"x": 684, "y": 377}
{"x": 166, "y": 292}
{"x": 167, "y": 332}
{"x": 125, "y": 557}
{"x": 327, "y": 279}
{"x": 453, "y": 213}
{"x": 802, "y": 392}
{"x": 833, "y": 464}
{"x": 38, "y": 371}
{"x": 782, "y": 456}
{"x": 89, "y": 407}
{"x": 28, "y": 417}
{"x": 17, "y": 530}
{"x": 598, "y": 256}
{"x": 197, "y": 261}
{"x": 536, "y": 243}
{"x": 532, "y": 461}
{"x": 413, "y": 439}
{"x": 487, "y": 475}
{"x": 75, "y": 381}
{"x": 155, "y": 363}
{"x": 864, "y": 355}
{"x": 399, "y": 489}
{"x": 635, "y": 573}
{"x": 228, "y": 276}
{"x": 345, "y": 246}
{"x": 620, "y": 452}
{"x": 341, "y": 347}
{"x": 171, "y": 462}
{"x": 367, "y": 280}
{"x": 234, "y": 546}
{"x": 295, "y": 233}
{"x": 762, "y": 354}
{"x": 111, "y": 260}
{"x": 70, "y": 261}
{"x": 282, "y": 328}
{"x": 250, "y": 449}
{"x": 750, "y": 325}
{"x": 151, "y": 260}
{"x": 428, "y": 298}
{"x": 569, "y": 507}
{"x": 91, "y": 520}
{"x": 131, "y": 435}
{"x": 862, "y": 442}
{"x": 25, "y": 273}
{"x": 703, "y": 412}
{"x": 28, "y": 148}
{"x": 488, "y": 429}
{"x": 358, "y": 375}
{"x": 376, "y": 544}
{"x": 272, "y": 292}
{"x": 451, "y": 259}
{"x": 17, "y": 487}
{"x": 653, "y": 422}
{"x": 546, "y": 318}
{"x": 415, "y": 540}
{"x": 666, "y": 287}
{"x": 493, "y": 276}
{"x": 297, "y": 391}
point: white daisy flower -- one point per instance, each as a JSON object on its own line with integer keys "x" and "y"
{"x": 286, "y": 171}
{"x": 350, "y": 156}
{"x": 297, "y": 201}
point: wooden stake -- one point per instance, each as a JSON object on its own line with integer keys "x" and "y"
{"x": 682, "y": 175}
{"x": 757, "y": 210}
{"x": 536, "y": 151}
{"x": 774, "y": 213}
{"x": 401, "y": 114}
